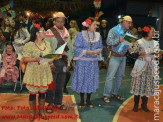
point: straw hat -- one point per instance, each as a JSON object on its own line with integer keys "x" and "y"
{"x": 127, "y": 18}
{"x": 59, "y": 14}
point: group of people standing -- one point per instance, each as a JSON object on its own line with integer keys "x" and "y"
{"x": 142, "y": 83}
{"x": 48, "y": 79}
{"x": 88, "y": 44}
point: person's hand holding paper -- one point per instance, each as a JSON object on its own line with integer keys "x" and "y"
{"x": 53, "y": 56}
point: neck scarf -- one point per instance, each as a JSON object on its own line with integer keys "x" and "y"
{"x": 120, "y": 31}
{"x": 64, "y": 35}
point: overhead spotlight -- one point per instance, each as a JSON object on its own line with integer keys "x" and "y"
{"x": 157, "y": 19}
{"x": 119, "y": 16}
{"x": 28, "y": 14}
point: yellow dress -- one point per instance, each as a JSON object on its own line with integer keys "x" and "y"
{"x": 37, "y": 77}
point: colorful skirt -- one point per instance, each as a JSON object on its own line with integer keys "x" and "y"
{"x": 143, "y": 84}
{"x": 37, "y": 77}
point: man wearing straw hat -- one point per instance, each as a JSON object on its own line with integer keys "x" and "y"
{"x": 117, "y": 51}
{"x": 57, "y": 36}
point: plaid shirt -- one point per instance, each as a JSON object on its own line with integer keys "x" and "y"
{"x": 113, "y": 40}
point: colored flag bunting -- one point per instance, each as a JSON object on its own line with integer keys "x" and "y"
{"x": 6, "y": 7}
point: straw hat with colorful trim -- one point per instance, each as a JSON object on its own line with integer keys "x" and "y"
{"x": 59, "y": 14}
{"x": 127, "y": 18}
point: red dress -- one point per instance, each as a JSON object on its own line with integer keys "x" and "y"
{"x": 9, "y": 71}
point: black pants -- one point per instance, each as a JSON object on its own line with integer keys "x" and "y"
{"x": 68, "y": 75}
{"x": 59, "y": 76}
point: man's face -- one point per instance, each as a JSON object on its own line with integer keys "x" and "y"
{"x": 20, "y": 18}
{"x": 126, "y": 24}
{"x": 60, "y": 22}
{"x": 104, "y": 24}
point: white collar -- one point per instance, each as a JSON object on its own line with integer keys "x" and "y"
{"x": 96, "y": 38}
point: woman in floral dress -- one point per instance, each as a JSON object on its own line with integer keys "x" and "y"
{"x": 87, "y": 47}
{"x": 37, "y": 76}
{"x": 142, "y": 83}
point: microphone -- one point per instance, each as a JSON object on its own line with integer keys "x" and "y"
{"x": 41, "y": 54}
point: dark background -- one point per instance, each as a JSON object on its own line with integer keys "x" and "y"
{"x": 143, "y": 12}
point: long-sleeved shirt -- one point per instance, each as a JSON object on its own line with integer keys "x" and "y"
{"x": 113, "y": 41}
{"x": 53, "y": 42}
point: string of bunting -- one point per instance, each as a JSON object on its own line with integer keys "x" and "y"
{"x": 7, "y": 7}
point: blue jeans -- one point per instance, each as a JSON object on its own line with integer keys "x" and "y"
{"x": 116, "y": 69}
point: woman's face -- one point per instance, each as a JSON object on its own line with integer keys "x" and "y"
{"x": 7, "y": 22}
{"x": 9, "y": 49}
{"x": 72, "y": 24}
{"x": 151, "y": 33}
{"x": 139, "y": 29}
{"x": 92, "y": 27}
{"x": 13, "y": 23}
{"x": 42, "y": 33}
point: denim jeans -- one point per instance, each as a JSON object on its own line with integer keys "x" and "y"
{"x": 116, "y": 69}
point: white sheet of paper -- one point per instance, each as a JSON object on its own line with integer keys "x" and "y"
{"x": 19, "y": 56}
{"x": 61, "y": 49}
{"x": 139, "y": 65}
{"x": 128, "y": 34}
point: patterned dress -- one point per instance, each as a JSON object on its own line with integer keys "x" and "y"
{"x": 86, "y": 73}
{"x": 37, "y": 76}
{"x": 9, "y": 71}
{"x": 142, "y": 74}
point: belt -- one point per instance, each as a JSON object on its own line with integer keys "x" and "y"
{"x": 116, "y": 54}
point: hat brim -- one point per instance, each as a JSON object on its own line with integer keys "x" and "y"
{"x": 59, "y": 17}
